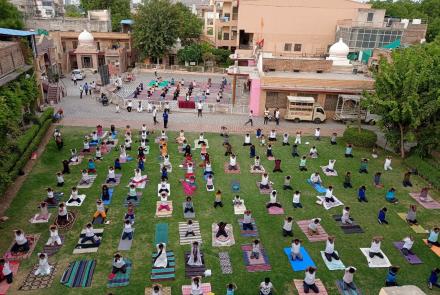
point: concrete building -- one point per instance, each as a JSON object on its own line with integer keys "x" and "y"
{"x": 220, "y": 23}
{"x": 49, "y": 8}
{"x": 89, "y": 51}
{"x": 12, "y": 63}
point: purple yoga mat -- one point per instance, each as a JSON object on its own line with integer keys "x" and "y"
{"x": 411, "y": 258}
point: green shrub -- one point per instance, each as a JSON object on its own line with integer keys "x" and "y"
{"x": 47, "y": 114}
{"x": 24, "y": 140}
{"x": 425, "y": 169}
{"x": 365, "y": 138}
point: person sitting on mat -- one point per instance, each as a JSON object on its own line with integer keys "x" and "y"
{"x": 391, "y": 279}
{"x": 262, "y": 140}
{"x": 218, "y": 199}
{"x": 247, "y": 140}
{"x": 294, "y": 152}
{"x": 269, "y": 153}
{"x": 85, "y": 177}
{"x": 98, "y": 153}
{"x": 286, "y": 139}
{"x": 273, "y": 135}
{"x": 6, "y": 272}
{"x": 273, "y": 200}
{"x": 407, "y": 245}
{"x": 257, "y": 165}
{"x": 90, "y": 235}
{"x": 122, "y": 152}
{"x": 54, "y": 237}
{"x": 266, "y": 287}
{"x": 302, "y": 164}
{"x": 62, "y": 217}
{"x": 118, "y": 265}
{"x": 189, "y": 229}
{"x": 232, "y": 162}
{"x": 208, "y": 168}
{"x": 247, "y": 220}
{"x": 309, "y": 282}
{"x": 329, "y": 198}
{"x": 333, "y": 138}
{"x": 231, "y": 288}
{"x": 74, "y": 156}
{"x": 258, "y": 133}
{"x": 100, "y": 210}
{"x": 166, "y": 162}
{"x": 221, "y": 230}
{"x": 433, "y": 237}
{"x": 347, "y": 180}
{"x": 105, "y": 193}
{"x": 313, "y": 227}
{"x": 60, "y": 179}
{"x": 255, "y": 253}
{"x": 315, "y": 178}
{"x": 196, "y": 286}
{"x": 156, "y": 290}
{"x": 345, "y": 217}
{"x": 44, "y": 268}
{"x": 252, "y": 151}
{"x": 364, "y": 166}
{"x": 195, "y": 257}
{"x": 91, "y": 167}
{"x": 130, "y": 212}
{"x": 349, "y": 151}
{"x": 21, "y": 244}
{"x": 381, "y": 217}
{"x": 163, "y": 188}
{"x": 181, "y": 137}
{"x": 387, "y": 164}
{"x": 329, "y": 251}
{"x": 201, "y": 138}
{"x": 296, "y": 200}
{"x": 237, "y": 201}
{"x": 163, "y": 203}
{"x": 347, "y": 279}
{"x": 286, "y": 185}
{"x": 391, "y": 196}
{"x": 161, "y": 259}
{"x": 44, "y": 212}
{"x": 210, "y": 182}
{"x": 295, "y": 250}
{"x": 377, "y": 181}
{"x": 362, "y": 197}
{"x": 375, "y": 247}
{"x": 86, "y": 146}
{"x": 66, "y": 167}
{"x": 111, "y": 176}
{"x": 313, "y": 153}
{"x": 74, "y": 198}
{"x": 406, "y": 179}
{"x": 264, "y": 184}
{"x": 188, "y": 205}
{"x": 411, "y": 215}
{"x": 287, "y": 227}
{"x": 127, "y": 233}
{"x": 331, "y": 166}
{"x": 117, "y": 164}
{"x": 433, "y": 278}
{"x": 424, "y": 194}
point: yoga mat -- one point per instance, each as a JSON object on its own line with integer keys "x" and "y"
{"x": 434, "y": 249}
{"x": 300, "y": 287}
{"x": 33, "y": 282}
{"x": 71, "y": 218}
{"x": 92, "y": 180}
{"x": 265, "y": 191}
{"x": 113, "y": 184}
{"x": 163, "y": 290}
{"x": 239, "y": 209}
{"x": 275, "y": 211}
{"x": 319, "y": 188}
{"x": 430, "y": 203}
{"x": 411, "y": 258}
{"x": 164, "y": 274}
{"x": 135, "y": 203}
{"x": 235, "y": 186}
{"x": 79, "y": 274}
{"x": 188, "y": 214}
{"x": 256, "y": 171}
{"x": 189, "y": 239}
{"x": 304, "y": 226}
{"x": 353, "y": 228}
{"x": 164, "y": 213}
{"x": 334, "y": 264}
{"x": 75, "y": 204}
{"x": 51, "y": 250}
{"x": 247, "y": 232}
{"x": 340, "y": 285}
{"x": 34, "y": 220}
{"x": 4, "y": 286}
{"x": 121, "y": 279}
{"x": 161, "y": 235}
{"x": 416, "y": 228}
{"x": 80, "y": 159}
{"x": 222, "y": 241}
{"x": 110, "y": 192}
{"x": 206, "y": 289}
{"x": 125, "y": 160}
{"x": 140, "y": 185}
{"x": 328, "y": 206}
{"x": 225, "y": 262}
{"x": 194, "y": 271}
{"x": 88, "y": 247}
{"x": 32, "y": 240}
{"x": 125, "y": 245}
{"x": 99, "y": 219}
{"x": 253, "y": 264}
{"x": 299, "y": 265}
{"x": 227, "y": 171}
{"x": 328, "y": 173}
{"x": 376, "y": 261}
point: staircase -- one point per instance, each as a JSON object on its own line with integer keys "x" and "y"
{"x": 53, "y": 94}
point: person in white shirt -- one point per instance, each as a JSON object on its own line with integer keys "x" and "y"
{"x": 257, "y": 165}
{"x": 21, "y": 243}
{"x": 277, "y": 116}
{"x": 264, "y": 184}
{"x": 315, "y": 178}
{"x": 199, "y": 109}
{"x": 313, "y": 153}
{"x": 149, "y": 107}
{"x": 232, "y": 162}
{"x": 111, "y": 176}
{"x": 329, "y": 195}
{"x": 247, "y": 221}
{"x": 298, "y": 137}
{"x": 266, "y": 287}
{"x": 201, "y": 139}
{"x": 295, "y": 250}
{"x": 255, "y": 253}
{"x": 195, "y": 257}
{"x": 155, "y": 115}
{"x": 407, "y": 245}
{"x": 273, "y": 200}
{"x": 127, "y": 233}
{"x": 348, "y": 278}
{"x": 54, "y": 237}
{"x": 313, "y": 226}
{"x": 161, "y": 259}
{"x": 309, "y": 280}
{"x": 273, "y": 135}
{"x": 85, "y": 178}
{"x": 163, "y": 203}
{"x": 60, "y": 179}
{"x": 331, "y": 166}
{"x": 140, "y": 109}
{"x": 156, "y": 290}
{"x": 296, "y": 200}
{"x": 98, "y": 153}
{"x": 86, "y": 146}
{"x": 6, "y": 271}
{"x": 318, "y": 134}
{"x": 375, "y": 247}
{"x": 196, "y": 286}
{"x": 190, "y": 229}
{"x": 90, "y": 235}
{"x": 329, "y": 251}
{"x": 118, "y": 265}
{"x": 44, "y": 268}
{"x": 247, "y": 140}
{"x": 345, "y": 218}
{"x": 129, "y": 106}
{"x": 287, "y": 227}
{"x": 250, "y": 118}
{"x": 387, "y": 164}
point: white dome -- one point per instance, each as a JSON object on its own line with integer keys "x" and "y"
{"x": 85, "y": 37}
{"x": 339, "y": 49}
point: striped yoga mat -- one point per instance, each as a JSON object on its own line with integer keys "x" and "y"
{"x": 167, "y": 273}
{"x": 79, "y": 274}
{"x": 121, "y": 279}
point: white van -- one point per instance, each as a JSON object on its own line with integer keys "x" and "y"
{"x": 303, "y": 108}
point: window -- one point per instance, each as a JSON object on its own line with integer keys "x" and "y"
{"x": 276, "y": 100}
{"x": 370, "y": 17}
{"x": 288, "y": 47}
{"x": 225, "y": 36}
{"x": 98, "y": 46}
{"x": 297, "y": 47}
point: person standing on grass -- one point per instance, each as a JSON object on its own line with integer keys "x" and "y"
{"x": 250, "y": 118}
{"x": 199, "y": 109}
{"x": 165, "y": 119}
{"x": 155, "y": 115}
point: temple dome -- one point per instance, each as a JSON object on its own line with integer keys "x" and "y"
{"x": 339, "y": 49}
{"x": 85, "y": 37}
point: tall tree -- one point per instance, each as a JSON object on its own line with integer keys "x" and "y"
{"x": 120, "y": 9}
{"x": 156, "y": 28}
{"x": 191, "y": 27}
{"x": 10, "y": 17}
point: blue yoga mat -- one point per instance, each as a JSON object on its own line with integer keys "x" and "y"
{"x": 319, "y": 188}
{"x": 110, "y": 192}
{"x": 300, "y": 265}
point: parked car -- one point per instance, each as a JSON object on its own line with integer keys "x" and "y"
{"x": 79, "y": 74}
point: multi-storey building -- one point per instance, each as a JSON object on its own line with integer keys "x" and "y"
{"x": 221, "y": 23}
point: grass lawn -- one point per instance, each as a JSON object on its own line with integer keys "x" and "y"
{"x": 370, "y": 280}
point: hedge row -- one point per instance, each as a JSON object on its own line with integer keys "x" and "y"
{"x": 425, "y": 169}
{"x": 365, "y": 138}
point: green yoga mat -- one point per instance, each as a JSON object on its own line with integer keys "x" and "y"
{"x": 161, "y": 235}
{"x": 161, "y": 84}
